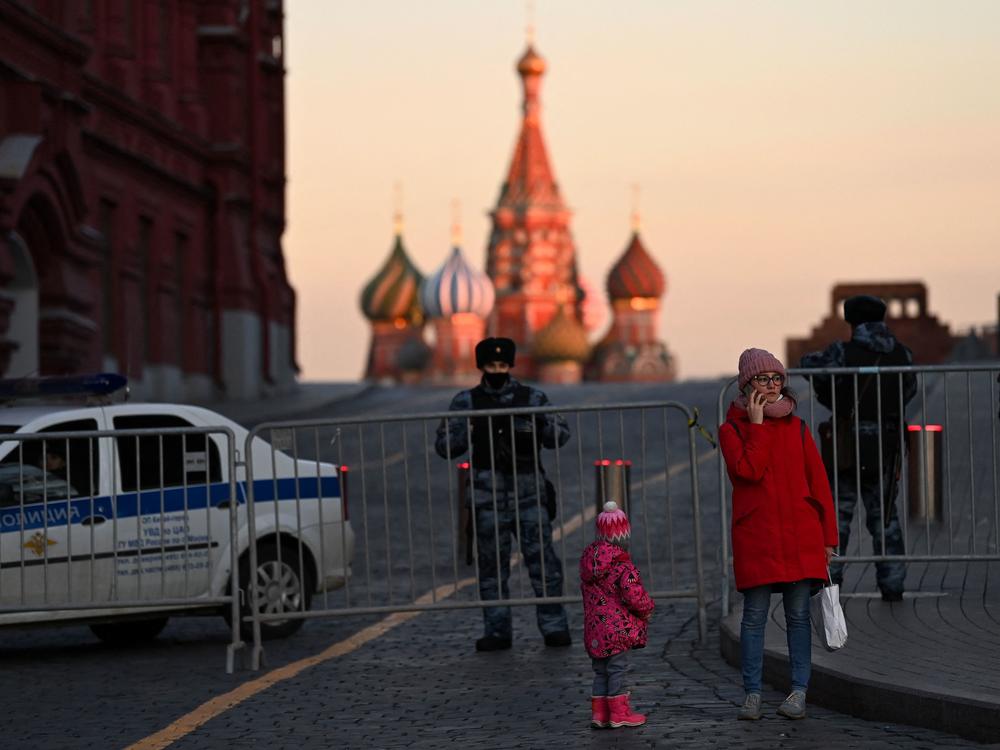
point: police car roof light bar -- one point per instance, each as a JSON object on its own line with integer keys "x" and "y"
{"x": 99, "y": 384}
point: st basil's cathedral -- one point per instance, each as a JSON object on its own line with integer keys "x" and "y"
{"x": 424, "y": 329}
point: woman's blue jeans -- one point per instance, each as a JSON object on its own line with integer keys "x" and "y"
{"x": 756, "y": 603}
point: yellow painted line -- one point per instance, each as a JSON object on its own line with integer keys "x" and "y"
{"x": 222, "y": 703}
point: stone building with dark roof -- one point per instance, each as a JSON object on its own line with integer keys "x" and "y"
{"x": 907, "y": 314}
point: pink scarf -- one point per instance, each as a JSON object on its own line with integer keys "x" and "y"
{"x": 781, "y": 408}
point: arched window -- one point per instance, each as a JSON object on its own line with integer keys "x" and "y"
{"x": 22, "y": 326}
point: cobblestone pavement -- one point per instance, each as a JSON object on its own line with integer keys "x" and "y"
{"x": 423, "y": 686}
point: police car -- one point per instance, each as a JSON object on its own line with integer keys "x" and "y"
{"x": 88, "y": 523}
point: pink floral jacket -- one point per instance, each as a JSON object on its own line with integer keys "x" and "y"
{"x": 615, "y": 605}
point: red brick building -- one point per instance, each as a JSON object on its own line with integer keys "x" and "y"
{"x": 142, "y": 180}
{"x": 908, "y": 316}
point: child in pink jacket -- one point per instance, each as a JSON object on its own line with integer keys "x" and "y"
{"x": 616, "y": 609}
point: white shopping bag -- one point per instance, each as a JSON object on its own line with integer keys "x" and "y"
{"x": 828, "y": 617}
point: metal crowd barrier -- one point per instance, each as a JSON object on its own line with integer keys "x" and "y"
{"x": 947, "y": 478}
{"x": 416, "y": 541}
{"x": 96, "y": 522}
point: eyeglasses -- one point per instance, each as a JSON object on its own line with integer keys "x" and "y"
{"x": 764, "y": 380}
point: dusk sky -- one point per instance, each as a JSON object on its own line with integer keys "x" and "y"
{"x": 781, "y": 147}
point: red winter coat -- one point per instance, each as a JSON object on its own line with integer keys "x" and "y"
{"x": 783, "y": 513}
{"x": 615, "y": 605}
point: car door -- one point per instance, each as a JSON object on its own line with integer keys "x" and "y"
{"x": 55, "y": 539}
{"x": 171, "y": 492}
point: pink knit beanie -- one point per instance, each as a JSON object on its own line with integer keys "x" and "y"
{"x": 754, "y": 362}
{"x": 612, "y": 524}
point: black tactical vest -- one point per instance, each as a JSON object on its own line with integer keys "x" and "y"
{"x": 521, "y": 452}
{"x": 868, "y": 394}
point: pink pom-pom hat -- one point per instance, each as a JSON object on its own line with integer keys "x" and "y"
{"x": 612, "y": 524}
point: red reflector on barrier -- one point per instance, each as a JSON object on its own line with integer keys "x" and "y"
{"x": 345, "y": 507}
{"x": 464, "y": 465}
{"x": 929, "y": 428}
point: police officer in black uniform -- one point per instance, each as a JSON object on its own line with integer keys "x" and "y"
{"x": 872, "y": 344}
{"x": 511, "y": 497}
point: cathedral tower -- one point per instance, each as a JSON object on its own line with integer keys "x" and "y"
{"x": 531, "y": 257}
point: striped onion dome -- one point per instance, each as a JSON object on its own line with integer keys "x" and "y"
{"x": 456, "y": 287}
{"x": 635, "y": 274}
{"x": 561, "y": 340}
{"x": 393, "y": 294}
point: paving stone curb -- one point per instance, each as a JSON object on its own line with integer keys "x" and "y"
{"x": 870, "y": 699}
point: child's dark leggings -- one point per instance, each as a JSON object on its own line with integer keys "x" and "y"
{"x": 609, "y": 674}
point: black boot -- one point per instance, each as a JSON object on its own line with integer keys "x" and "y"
{"x": 492, "y": 643}
{"x": 558, "y": 639}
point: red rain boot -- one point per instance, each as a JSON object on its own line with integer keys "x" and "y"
{"x": 621, "y": 714}
{"x": 600, "y": 715}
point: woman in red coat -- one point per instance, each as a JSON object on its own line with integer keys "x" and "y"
{"x": 784, "y": 525}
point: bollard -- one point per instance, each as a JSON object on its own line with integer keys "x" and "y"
{"x": 924, "y": 477}
{"x": 613, "y": 482}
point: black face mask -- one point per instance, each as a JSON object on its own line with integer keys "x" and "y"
{"x": 496, "y": 380}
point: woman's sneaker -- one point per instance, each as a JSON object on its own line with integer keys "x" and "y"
{"x": 751, "y": 708}
{"x": 794, "y": 706}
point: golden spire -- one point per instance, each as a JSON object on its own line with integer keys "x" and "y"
{"x": 397, "y": 212}
{"x": 636, "y": 220}
{"x": 456, "y": 223}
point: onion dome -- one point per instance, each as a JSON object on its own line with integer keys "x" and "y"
{"x": 456, "y": 287}
{"x": 561, "y": 340}
{"x": 635, "y": 274}
{"x": 393, "y": 294}
{"x": 531, "y": 63}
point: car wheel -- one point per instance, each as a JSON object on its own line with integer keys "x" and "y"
{"x": 130, "y": 631}
{"x": 281, "y": 587}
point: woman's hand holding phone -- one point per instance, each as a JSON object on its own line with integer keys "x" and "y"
{"x": 755, "y": 406}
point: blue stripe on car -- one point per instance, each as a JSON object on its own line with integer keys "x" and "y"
{"x": 152, "y": 502}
